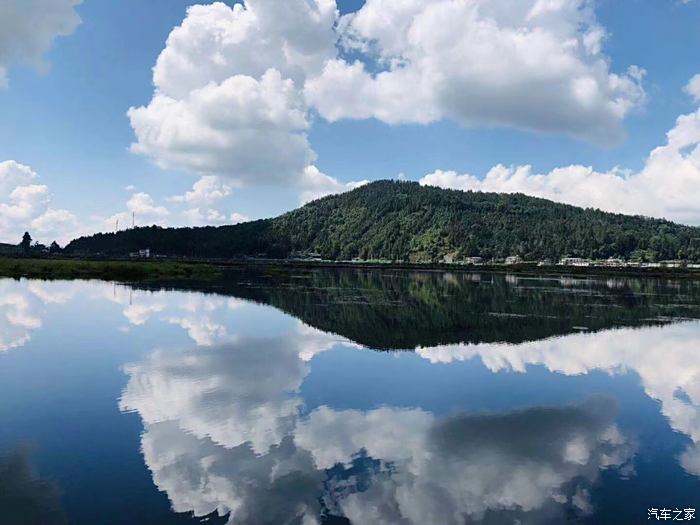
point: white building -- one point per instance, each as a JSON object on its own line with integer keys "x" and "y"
{"x": 672, "y": 264}
{"x": 575, "y": 261}
{"x": 612, "y": 261}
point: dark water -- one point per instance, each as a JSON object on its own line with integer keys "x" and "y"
{"x": 312, "y": 397}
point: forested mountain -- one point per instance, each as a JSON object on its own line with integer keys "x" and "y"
{"x": 403, "y": 221}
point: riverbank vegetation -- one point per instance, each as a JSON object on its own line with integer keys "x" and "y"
{"x": 107, "y": 270}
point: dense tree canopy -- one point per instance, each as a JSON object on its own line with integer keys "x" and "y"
{"x": 403, "y": 221}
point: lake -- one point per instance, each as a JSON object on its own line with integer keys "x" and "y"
{"x": 350, "y": 396}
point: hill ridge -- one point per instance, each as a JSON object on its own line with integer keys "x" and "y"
{"x": 404, "y": 221}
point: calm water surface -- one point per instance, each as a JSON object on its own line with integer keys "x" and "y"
{"x": 309, "y": 397}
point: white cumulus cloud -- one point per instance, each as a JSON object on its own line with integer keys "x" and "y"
{"x": 314, "y": 184}
{"x": 535, "y": 65}
{"x": 216, "y": 42}
{"x": 26, "y": 206}
{"x": 251, "y": 130}
{"x": 193, "y": 208}
{"x": 228, "y": 90}
{"x": 236, "y": 88}
{"x": 693, "y": 88}
{"x": 236, "y": 218}
{"x": 205, "y": 193}
{"x": 203, "y": 217}
{"x": 206, "y": 190}
{"x": 142, "y": 210}
{"x": 667, "y": 186}
{"x": 234, "y": 85}
{"x": 28, "y": 28}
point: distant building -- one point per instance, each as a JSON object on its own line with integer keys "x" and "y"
{"x": 305, "y": 256}
{"x": 514, "y": 259}
{"x": 141, "y": 254}
{"x": 672, "y": 264}
{"x": 614, "y": 262}
{"x": 473, "y": 260}
{"x": 575, "y": 261}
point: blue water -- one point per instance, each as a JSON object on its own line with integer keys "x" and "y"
{"x": 123, "y": 405}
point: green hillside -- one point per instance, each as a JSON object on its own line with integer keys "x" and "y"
{"x": 403, "y": 221}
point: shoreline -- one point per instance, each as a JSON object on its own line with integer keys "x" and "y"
{"x": 517, "y": 269}
{"x": 185, "y": 268}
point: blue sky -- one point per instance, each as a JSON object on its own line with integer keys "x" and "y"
{"x": 66, "y": 120}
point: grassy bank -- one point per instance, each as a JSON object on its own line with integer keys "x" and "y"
{"x": 108, "y": 270}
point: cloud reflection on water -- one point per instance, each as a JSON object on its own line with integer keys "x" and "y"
{"x": 666, "y": 359}
{"x": 224, "y": 432}
{"x": 22, "y": 305}
{"x": 226, "y": 428}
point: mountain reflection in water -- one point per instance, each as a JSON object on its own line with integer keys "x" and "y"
{"x": 396, "y": 310}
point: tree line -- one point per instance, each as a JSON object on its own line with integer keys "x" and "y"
{"x": 27, "y": 248}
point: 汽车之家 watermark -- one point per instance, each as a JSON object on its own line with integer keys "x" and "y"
{"x": 671, "y": 514}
